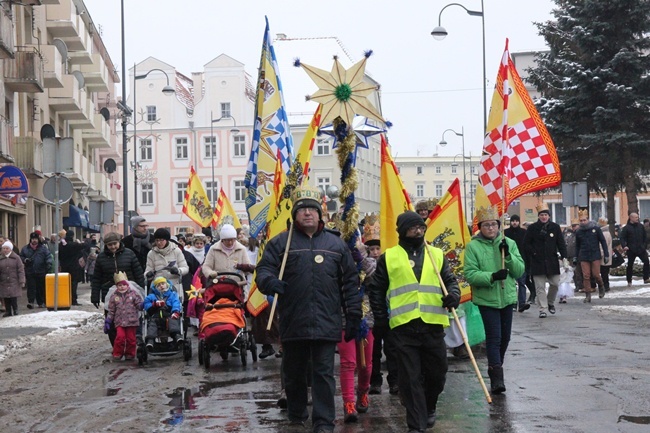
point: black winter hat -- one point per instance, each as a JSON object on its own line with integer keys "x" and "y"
{"x": 515, "y": 217}
{"x": 207, "y": 231}
{"x": 34, "y": 235}
{"x": 162, "y": 234}
{"x": 407, "y": 220}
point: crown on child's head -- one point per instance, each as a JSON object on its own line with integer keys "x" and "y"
{"x": 119, "y": 277}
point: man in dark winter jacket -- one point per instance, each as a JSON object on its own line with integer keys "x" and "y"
{"x": 407, "y": 277}
{"x": 517, "y": 234}
{"x": 69, "y": 254}
{"x": 38, "y": 261}
{"x": 544, "y": 246}
{"x": 590, "y": 241}
{"x": 320, "y": 279}
{"x": 140, "y": 240}
{"x": 633, "y": 241}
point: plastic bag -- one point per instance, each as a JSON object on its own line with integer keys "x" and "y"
{"x": 565, "y": 290}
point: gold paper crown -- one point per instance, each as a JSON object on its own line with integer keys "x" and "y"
{"x": 486, "y": 214}
{"x": 575, "y": 221}
{"x": 602, "y": 221}
{"x": 542, "y": 207}
{"x": 422, "y": 205}
{"x": 305, "y": 192}
{"x": 120, "y": 276}
{"x": 583, "y": 213}
{"x": 371, "y": 228}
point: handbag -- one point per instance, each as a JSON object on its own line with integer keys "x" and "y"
{"x": 617, "y": 259}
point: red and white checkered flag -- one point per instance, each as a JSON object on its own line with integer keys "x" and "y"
{"x": 518, "y": 153}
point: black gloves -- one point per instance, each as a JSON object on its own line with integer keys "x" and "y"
{"x": 150, "y": 275}
{"x": 501, "y": 274}
{"x": 452, "y": 300}
{"x": 174, "y": 270}
{"x": 351, "y": 328}
{"x": 276, "y": 286}
{"x": 503, "y": 246}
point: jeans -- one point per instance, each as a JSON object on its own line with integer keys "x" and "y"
{"x": 643, "y": 255}
{"x": 350, "y": 356}
{"x": 498, "y": 326}
{"x": 521, "y": 290}
{"x": 295, "y": 357}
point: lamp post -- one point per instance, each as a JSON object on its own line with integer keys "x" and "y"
{"x": 443, "y": 143}
{"x": 168, "y": 91}
{"x": 439, "y": 33}
{"x": 125, "y": 138}
{"x": 213, "y": 148}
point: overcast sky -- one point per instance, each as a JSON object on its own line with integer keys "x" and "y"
{"x": 427, "y": 86}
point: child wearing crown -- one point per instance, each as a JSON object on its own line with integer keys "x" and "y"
{"x": 124, "y": 306}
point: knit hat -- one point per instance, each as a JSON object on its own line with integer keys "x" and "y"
{"x": 34, "y": 235}
{"x": 69, "y": 235}
{"x": 515, "y": 217}
{"x": 112, "y": 237}
{"x": 162, "y": 234}
{"x": 227, "y": 232}
{"x": 207, "y": 231}
{"x": 304, "y": 197}
{"x": 8, "y": 244}
{"x": 136, "y": 220}
{"x": 159, "y": 280}
{"x": 407, "y": 220}
{"x": 119, "y": 277}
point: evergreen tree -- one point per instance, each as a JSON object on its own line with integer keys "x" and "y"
{"x": 595, "y": 87}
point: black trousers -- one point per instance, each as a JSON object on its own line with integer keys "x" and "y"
{"x": 295, "y": 360}
{"x": 382, "y": 341}
{"x": 422, "y": 368}
{"x": 11, "y": 306}
{"x": 643, "y": 255}
{"x": 36, "y": 289}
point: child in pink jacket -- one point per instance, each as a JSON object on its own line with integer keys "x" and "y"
{"x": 124, "y": 308}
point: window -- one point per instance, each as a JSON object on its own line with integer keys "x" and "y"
{"x": 558, "y": 213}
{"x": 454, "y": 169}
{"x": 210, "y": 146}
{"x": 239, "y": 144}
{"x": 322, "y": 146}
{"x": 438, "y": 190}
{"x": 181, "y": 148}
{"x": 438, "y": 169}
{"x": 208, "y": 190}
{"x": 225, "y": 109}
{"x": 151, "y": 113}
{"x": 146, "y": 194}
{"x": 146, "y": 150}
{"x": 181, "y": 187}
{"x": 419, "y": 190}
{"x": 240, "y": 190}
{"x": 418, "y": 169}
{"x": 597, "y": 210}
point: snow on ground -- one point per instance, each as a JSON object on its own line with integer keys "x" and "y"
{"x": 61, "y": 323}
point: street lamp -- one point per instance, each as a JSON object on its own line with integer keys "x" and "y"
{"x": 439, "y": 33}
{"x": 213, "y": 148}
{"x": 443, "y": 143}
{"x": 167, "y": 91}
{"x": 125, "y": 137}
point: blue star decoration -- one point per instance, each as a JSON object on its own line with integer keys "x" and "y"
{"x": 362, "y": 130}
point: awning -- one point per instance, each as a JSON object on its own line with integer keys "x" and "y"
{"x": 80, "y": 218}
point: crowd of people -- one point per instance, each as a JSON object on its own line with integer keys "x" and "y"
{"x": 332, "y": 299}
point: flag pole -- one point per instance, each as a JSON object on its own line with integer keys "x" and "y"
{"x": 460, "y": 328}
{"x": 284, "y": 263}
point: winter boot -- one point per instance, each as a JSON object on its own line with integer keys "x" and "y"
{"x": 350, "y": 413}
{"x": 601, "y": 291}
{"x": 496, "y": 379}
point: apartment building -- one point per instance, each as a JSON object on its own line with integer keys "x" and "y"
{"x": 57, "y": 81}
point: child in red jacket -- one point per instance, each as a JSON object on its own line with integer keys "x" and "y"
{"x": 124, "y": 309}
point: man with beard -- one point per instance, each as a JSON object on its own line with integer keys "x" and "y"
{"x": 139, "y": 241}
{"x": 406, "y": 294}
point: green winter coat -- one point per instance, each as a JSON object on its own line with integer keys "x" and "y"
{"x": 482, "y": 258}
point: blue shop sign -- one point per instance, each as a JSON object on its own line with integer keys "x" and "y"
{"x": 13, "y": 180}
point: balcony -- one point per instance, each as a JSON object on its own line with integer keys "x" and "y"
{"x": 6, "y": 141}
{"x": 102, "y": 184}
{"x": 63, "y": 22}
{"x": 86, "y": 118}
{"x": 53, "y": 67}
{"x": 69, "y": 101}
{"x": 24, "y": 74}
{"x": 98, "y": 137}
{"x": 96, "y": 74}
{"x": 80, "y": 177}
{"x": 6, "y": 36}
{"x": 28, "y": 155}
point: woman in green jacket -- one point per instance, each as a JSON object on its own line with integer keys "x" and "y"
{"x": 494, "y": 288}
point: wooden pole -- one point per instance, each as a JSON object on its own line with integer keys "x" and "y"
{"x": 460, "y": 328}
{"x": 284, "y": 263}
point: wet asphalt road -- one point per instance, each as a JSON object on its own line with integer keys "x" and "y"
{"x": 584, "y": 369}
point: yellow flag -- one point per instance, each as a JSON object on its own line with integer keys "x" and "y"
{"x": 394, "y": 199}
{"x": 196, "y": 204}
{"x": 224, "y": 213}
{"x": 447, "y": 230}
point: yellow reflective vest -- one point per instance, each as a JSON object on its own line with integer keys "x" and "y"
{"x": 410, "y": 299}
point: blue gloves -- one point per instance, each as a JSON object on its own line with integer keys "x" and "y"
{"x": 108, "y": 322}
{"x": 276, "y": 286}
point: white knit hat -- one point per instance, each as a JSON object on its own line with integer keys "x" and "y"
{"x": 8, "y": 244}
{"x": 227, "y": 232}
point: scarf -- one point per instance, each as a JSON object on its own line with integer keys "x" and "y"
{"x": 141, "y": 242}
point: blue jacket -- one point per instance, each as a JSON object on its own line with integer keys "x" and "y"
{"x": 40, "y": 259}
{"x": 170, "y": 297}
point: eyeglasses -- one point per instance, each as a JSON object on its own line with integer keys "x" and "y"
{"x": 305, "y": 209}
{"x": 417, "y": 229}
{"x": 490, "y": 225}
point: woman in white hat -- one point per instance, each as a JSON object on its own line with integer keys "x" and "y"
{"x": 12, "y": 278}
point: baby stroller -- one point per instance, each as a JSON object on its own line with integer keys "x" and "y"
{"x": 222, "y": 323}
{"x": 163, "y": 343}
